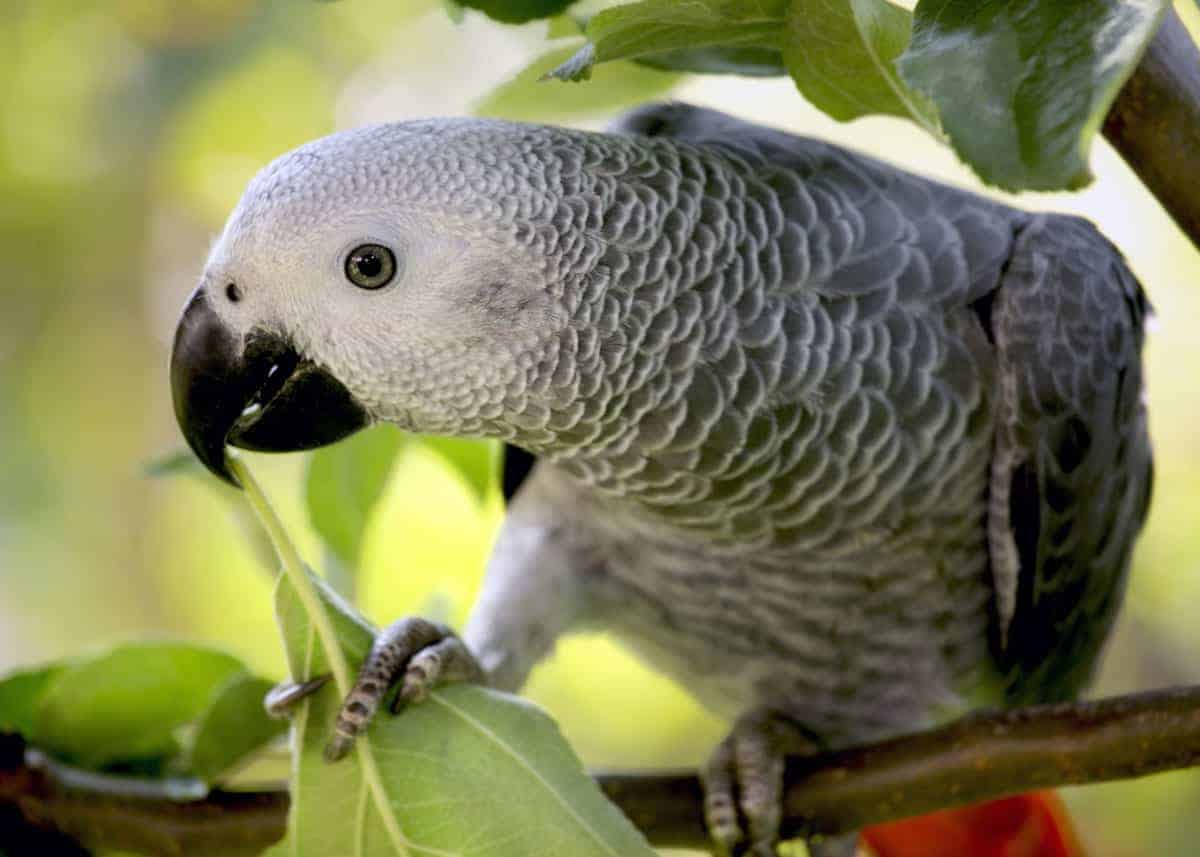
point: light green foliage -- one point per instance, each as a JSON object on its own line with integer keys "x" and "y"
{"x": 19, "y": 694}
{"x": 128, "y": 703}
{"x": 344, "y": 483}
{"x": 528, "y": 96}
{"x": 746, "y": 60}
{"x": 295, "y": 109}
{"x": 469, "y": 771}
{"x": 152, "y": 707}
{"x": 841, "y": 54}
{"x": 654, "y": 27}
{"x": 475, "y": 461}
{"x": 231, "y": 728}
{"x": 1023, "y": 86}
{"x": 517, "y": 11}
{"x": 158, "y": 707}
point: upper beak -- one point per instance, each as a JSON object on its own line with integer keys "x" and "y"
{"x": 257, "y": 394}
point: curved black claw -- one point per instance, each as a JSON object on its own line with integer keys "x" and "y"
{"x": 743, "y": 781}
{"x": 283, "y": 698}
{"x": 414, "y": 654}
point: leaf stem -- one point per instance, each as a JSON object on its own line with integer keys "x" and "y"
{"x": 297, "y": 574}
{"x": 293, "y": 568}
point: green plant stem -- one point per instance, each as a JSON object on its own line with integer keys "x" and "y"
{"x": 297, "y": 574}
{"x": 293, "y": 568}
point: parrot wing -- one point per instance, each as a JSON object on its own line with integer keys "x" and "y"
{"x": 1072, "y": 471}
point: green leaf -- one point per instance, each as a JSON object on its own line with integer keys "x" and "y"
{"x": 454, "y": 11}
{"x": 842, "y": 55}
{"x": 468, "y": 771}
{"x": 353, "y": 631}
{"x": 234, "y": 726}
{"x": 564, "y": 27}
{"x": 661, "y": 26}
{"x": 517, "y": 11}
{"x": 746, "y": 60}
{"x": 344, "y": 483}
{"x": 527, "y": 97}
{"x": 1023, "y": 86}
{"x": 127, "y": 704}
{"x": 20, "y": 693}
{"x": 476, "y": 461}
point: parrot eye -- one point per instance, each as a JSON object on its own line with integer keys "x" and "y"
{"x": 370, "y": 266}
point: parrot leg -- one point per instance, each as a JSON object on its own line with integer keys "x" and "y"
{"x": 745, "y": 773}
{"x": 412, "y": 654}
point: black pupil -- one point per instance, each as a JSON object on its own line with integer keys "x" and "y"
{"x": 369, "y": 264}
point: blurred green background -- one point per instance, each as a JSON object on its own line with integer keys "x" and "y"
{"x": 127, "y": 131}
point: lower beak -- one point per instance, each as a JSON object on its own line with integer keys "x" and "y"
{"x": 257, "y": 393}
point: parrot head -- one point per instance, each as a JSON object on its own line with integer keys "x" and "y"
{"x": 382, "y": 274}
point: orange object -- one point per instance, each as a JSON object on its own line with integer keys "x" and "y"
{"x": 1028, "y": 825}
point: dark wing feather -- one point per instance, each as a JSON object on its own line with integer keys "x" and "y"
{"x": 515, "y": 468}
{"x": 1072, "y": 471}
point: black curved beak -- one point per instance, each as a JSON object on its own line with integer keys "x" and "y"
{"x": 261, "y": 396}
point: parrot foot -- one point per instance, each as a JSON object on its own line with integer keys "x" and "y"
{"x": 743, "y": 779}
{"x": 412, "y": 654}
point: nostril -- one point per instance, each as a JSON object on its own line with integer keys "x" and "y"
{"x": 233, "y": 292}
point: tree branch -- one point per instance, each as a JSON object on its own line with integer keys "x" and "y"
{"x": 1155, "y": 123}
{"x": 45, "y": 802}
{"x": 980, "y": 757}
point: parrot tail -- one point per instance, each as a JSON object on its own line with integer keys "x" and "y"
{"x": 1029, "y": 825}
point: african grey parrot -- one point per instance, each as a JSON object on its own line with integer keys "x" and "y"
{"x": 841, "y": 449}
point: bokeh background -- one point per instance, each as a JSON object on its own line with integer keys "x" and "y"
{"x": 127, "y": 131}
